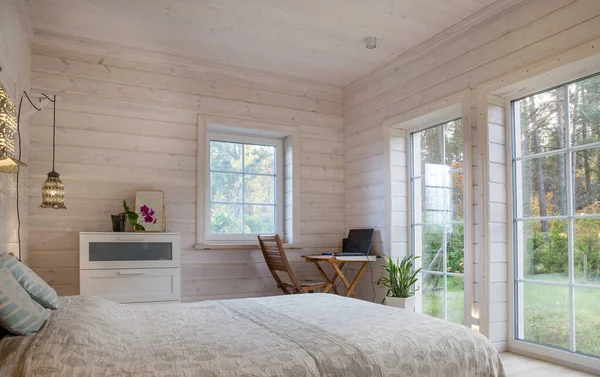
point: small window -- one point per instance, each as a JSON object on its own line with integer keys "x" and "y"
{"x": 245, "y": 187}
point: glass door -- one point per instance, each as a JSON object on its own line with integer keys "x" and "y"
{"x": 556, "y": 186}
{"x": 437, "y": 221}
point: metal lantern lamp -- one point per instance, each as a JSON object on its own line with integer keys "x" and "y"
{"x": 8, "y": 129}
{"x": 53, "y": 191}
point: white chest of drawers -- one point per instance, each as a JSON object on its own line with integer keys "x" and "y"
{"x": 130, "y": 267}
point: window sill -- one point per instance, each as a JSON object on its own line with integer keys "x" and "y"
{"x": 241, "y": 247}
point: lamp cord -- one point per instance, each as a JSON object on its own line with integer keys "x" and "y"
{"x": 53, "y": 100}
{"x": 18, "y": 171}
{"x": 31, "y": 102}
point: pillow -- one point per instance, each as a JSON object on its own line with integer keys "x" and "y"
{"x": 33, "y": 284}
{"x": 19, "y": 314}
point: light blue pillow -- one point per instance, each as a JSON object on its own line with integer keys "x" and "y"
{"x": 33, "y": 284}
{"x": 19, "y": 314}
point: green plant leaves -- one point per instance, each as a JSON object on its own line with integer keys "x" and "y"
{"x": 400, "y": 277}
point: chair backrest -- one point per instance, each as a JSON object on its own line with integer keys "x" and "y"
{"x": 274, "y": 254}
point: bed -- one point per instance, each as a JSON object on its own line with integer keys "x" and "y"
{"x": 294, "y": 335}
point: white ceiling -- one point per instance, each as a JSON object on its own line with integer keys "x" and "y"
{"x": 321, "y": 40}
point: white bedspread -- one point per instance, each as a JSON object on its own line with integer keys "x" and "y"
{"x": 296, "y": 336}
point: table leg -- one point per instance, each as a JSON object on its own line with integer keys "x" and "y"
{"x": 358, "y": 276}
{"x": 336, "y": 274}
{"x": 346, "y": 283}
{"x": 330, "y": 284}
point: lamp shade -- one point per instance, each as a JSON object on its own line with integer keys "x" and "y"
{"x": 8, "y": 129}
{"x": 53, "y": 192}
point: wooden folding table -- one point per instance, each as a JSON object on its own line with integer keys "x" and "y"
{"x": 338, "y": 262}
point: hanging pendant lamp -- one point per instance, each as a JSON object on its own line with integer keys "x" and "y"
{"x": 53, "y": 190}
{"x": 9, "y": 125}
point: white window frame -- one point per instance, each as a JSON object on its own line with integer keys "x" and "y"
{"x": 516, "y": 319}
{"x": 279, "y": 183}
{"x": 440, "y": 111}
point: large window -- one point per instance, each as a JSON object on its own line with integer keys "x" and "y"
{"x": 437, "y": 222}
{"x": 556, "y": 179}
{"x": 245, "y": 194}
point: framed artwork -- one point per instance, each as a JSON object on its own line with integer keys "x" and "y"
{"x": 152, "y": 202}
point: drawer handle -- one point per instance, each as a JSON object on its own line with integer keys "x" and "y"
{"x": 132, "y": 272}
{"x": 129, "y": 239}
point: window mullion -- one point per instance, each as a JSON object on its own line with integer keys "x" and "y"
{"x": 243, "y": 188}
{"x": 571, "y": 230}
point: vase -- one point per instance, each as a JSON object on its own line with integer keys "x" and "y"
{"x": 407, "y": 303}
{"x": 118, "y": 222}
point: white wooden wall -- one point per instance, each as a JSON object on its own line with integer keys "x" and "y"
{"x": 129, "y": 122}
{"x": 536, "y": 30}
{"x": 497, "y": 224}
{"x": 15, "y": 60}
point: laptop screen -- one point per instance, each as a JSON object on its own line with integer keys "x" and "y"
{"x": 359, "y": 241}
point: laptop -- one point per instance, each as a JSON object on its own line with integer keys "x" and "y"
{"x": 357, "y": 244}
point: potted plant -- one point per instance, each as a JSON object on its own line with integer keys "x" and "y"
{"x": 400, "y": 282}
{"x": 146, "y": 215}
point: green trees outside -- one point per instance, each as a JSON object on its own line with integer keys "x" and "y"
{"x": 243, "y": 184}
{"x": 547, "y": 122}
{"x": 543, "y": 118}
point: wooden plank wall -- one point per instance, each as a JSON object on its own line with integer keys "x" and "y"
{"x": 536, "y": 30}
{"x": 129, "y": 122}
{"x": 15, "y": 60}
{"x": 498, "y": 224}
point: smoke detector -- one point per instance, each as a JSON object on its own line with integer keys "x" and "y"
{"x": 371, "y": 42}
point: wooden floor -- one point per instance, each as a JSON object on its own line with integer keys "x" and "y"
{"x": 521, "y": 366}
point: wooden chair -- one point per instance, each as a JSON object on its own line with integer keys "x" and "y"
{"x": 274, "y": 254}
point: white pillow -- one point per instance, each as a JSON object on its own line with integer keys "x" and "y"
{"x": 37, "y": 288}
{"x": 19, "y": 314}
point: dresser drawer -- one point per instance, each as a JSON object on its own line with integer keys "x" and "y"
{"x": 132, "y": 285}
{"x": 99, "y": 251}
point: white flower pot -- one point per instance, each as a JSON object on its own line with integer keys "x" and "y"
{"x": 399, "y": 302}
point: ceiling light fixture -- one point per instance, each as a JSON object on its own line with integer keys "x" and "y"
{"x": 371, "y": 42}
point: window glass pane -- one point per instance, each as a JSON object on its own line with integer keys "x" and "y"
{"x": 456, "y": 299}
{"x": 226, "y": 218}
{"x": 259, "y": 189}
{"x": 587, "y": 321}
{"x": 259, "y": 219}
{"x": 428, "y": 149}
{"x": 225, "y": 156}
{"x": 454, "y": 144}
{"x": 432, "y": 252}
{"x": 545, "y": 311}
{"x": 455, "y": 249}
{"x": 458, "y": 195}
{"x": 438, "y": 206}
{"x": 418, "y": 200}
{"x": 226, "y": 187}
{"x": 543, "y": 187}
{"x": 433, "y": 295}
{"x": 540, "y": 122}
{"x": 587, "y": 252}
{"x": 544, "y": 246}
{"x": 259, "y": 159}
{"x": 586, "y": 192}
{"x": 584, "y": 101}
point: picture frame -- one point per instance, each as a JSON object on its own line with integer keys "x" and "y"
{"x": 155, "y": 200}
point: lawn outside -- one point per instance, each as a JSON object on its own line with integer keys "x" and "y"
{"x": 546, "y": 315}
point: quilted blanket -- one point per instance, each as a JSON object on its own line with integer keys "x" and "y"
{"x": 296, "y": 336}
